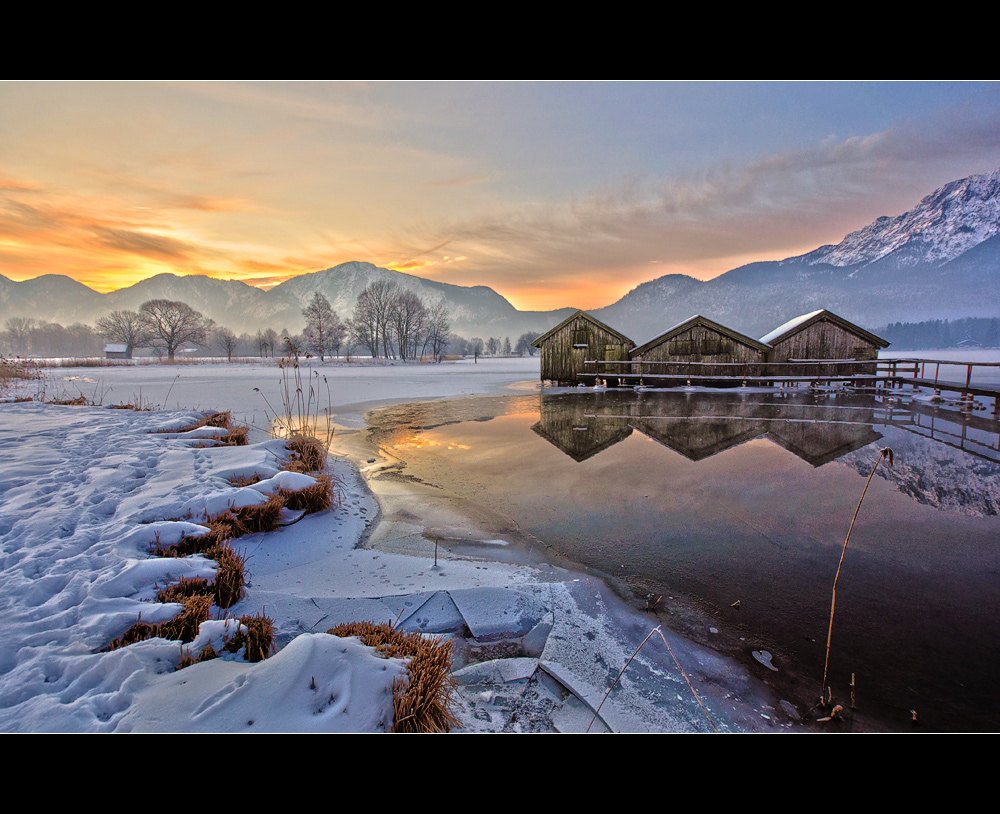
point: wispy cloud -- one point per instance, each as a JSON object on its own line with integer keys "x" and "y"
{"x": 456, "y": 182}
{"x": 707, "y": 221}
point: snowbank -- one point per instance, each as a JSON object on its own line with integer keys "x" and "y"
{"x": 87, "y": 490}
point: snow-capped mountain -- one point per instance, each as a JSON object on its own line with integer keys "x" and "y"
{"x": 940, "y": 260}
{"x": 943, "y": 226}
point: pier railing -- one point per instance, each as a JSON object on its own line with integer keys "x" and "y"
{"x": 678, "y": 372}
{"x": 967, "y": 379}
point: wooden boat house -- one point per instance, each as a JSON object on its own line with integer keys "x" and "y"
{"x": 818, "y": 346}
{"x": 701, "y": 350}
{"x": 577, "y": 339}
{"x": 823, "y": 344}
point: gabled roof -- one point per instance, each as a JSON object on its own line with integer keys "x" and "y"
{"x": 698, "y": 319}
{"x": 595, "y": 322}
{"x": 800, "y": 323}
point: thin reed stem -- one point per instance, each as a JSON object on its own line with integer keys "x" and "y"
{"x": 627, "y": 663}
{"x": 883, "y": 453}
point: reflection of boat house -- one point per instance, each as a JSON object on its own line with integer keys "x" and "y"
{"x": 699, "y": 348}
{"x": 822, "y": 336}
{"x": 581, "y": 429}
{"x": 700, "y": 425}
{"x": 578, "y": 339}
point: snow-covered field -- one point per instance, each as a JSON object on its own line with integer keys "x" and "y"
{"x": 86, "y": 490}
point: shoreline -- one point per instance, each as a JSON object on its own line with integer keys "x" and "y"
{"x": 406, "y": 526}
{"x": 540, "y": 644}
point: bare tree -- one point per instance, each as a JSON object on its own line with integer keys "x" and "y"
{"x": 126, "y": 327}
{"x": 439, "y": 324}
{"x": 324, "y": 330}
{"x": 227, "y": 342}
{"x": 408, "y": 319}
{"x": 524, "y": 343}
{"x": 371, "y": 322}
{"x": 17, "y": 332}
{"x": 171, "y": 324}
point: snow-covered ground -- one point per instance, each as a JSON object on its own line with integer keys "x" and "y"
{"x": 86, "y": 490}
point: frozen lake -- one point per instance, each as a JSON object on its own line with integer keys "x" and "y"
{"x": 700, "y": 500}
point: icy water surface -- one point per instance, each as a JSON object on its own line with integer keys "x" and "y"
{"x": 694, "y": 502}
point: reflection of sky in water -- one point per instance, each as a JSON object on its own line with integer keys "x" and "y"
{"x": 718, "y": 498}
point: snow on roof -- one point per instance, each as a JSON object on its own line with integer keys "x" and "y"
{"x": 792, "y": 323}
{"x": 115, "y": 348}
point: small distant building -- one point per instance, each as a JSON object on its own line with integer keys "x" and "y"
{"x": 117, "y": 352}
{"x": 822, "y": 336}
{"x": 716, "y": 350}
{"x": 577, "y": 339}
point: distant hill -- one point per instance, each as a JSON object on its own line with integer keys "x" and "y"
{"x": 475, "y": 310}
{"x": 940, "y": 260}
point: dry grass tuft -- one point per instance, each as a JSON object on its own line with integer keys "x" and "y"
{"x": 14, "y": 370}
{"x": 221, "y": 420}
{"x": 258, "y": 638}
{"x": 308, "y": 454}
{"x": 421, "y": 703}
{"x": 184, "y": 626}
{"x": 180, "y": 591}
{"x": 230, "y": 576}
{"x": 229, "y": 525}
{"x": 239, "y": 482}
{"x": 317, "y": 498}
{"x": 237, "y": 437}
{"x": 205, "y": 655}
{"x": 77, "y": 402}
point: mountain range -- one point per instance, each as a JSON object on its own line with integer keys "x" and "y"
{"x": 940, "y": 260}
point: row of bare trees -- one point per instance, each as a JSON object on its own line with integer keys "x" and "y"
{"x": 25, "y": 336}
{"x": 391, "y": 321}
{"x": 388, "y": 321}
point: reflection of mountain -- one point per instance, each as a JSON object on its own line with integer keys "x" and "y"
{"x": 932, "y": 472}
{"x": 700, "y": 425}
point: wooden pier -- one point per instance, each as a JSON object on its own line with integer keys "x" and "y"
{"x": 881, "y": 373}
{"x": 927, "y": 373}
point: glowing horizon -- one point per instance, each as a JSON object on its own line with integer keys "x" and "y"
{"x": 553, "y": 194}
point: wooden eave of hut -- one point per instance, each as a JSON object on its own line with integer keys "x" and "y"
{"x": 595, "y": 322}
{"x": 577, "y": 349}
{"x": 695, "y": 321}
{"x": 805, "y": 321}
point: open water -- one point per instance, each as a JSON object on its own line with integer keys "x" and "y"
{"x": 727, "y": 512}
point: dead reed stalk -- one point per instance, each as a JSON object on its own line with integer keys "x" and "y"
{"x": 679, "y": 668}
{"x": 827, "y": 697}
{"x": 301, "y": 415}
{"x": 421, "y": 703}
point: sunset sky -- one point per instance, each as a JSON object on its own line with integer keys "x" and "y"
{"x": 554, "y": 194}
